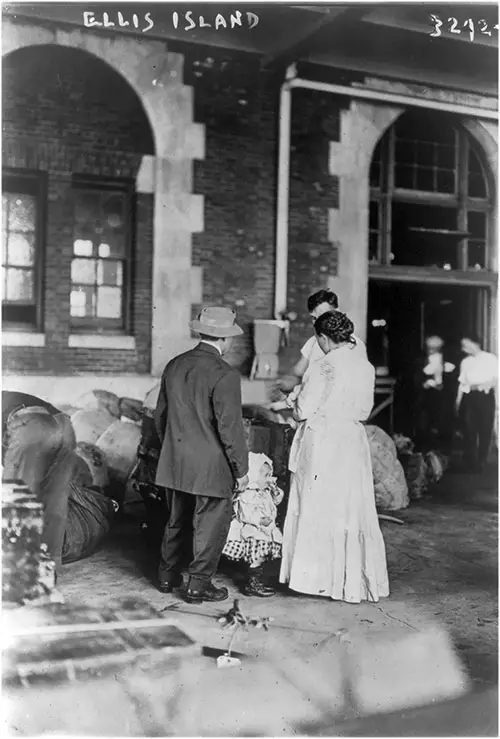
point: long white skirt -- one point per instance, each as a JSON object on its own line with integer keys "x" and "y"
{"x": 332, "y": 544}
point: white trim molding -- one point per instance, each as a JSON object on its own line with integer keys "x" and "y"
{"x": 101, "y": 341}
{"x": 22, "y": 338}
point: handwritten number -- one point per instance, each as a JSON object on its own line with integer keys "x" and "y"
{"x": 484, "y": 27}
{"x": 454, "y": 24}
{"x": 437, "y": 25}
{"x": 469, "y": 22}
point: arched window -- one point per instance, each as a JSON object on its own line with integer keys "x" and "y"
{"x": 430, "y": 199}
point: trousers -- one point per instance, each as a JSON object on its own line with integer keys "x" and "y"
{"x": 39, "y": 450}
{"x": 478, "y": 418}
{"x": 207, "y": 521}
{"x": 434, "y": 420}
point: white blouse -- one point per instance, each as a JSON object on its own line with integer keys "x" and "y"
{"x": 478, "y": 372}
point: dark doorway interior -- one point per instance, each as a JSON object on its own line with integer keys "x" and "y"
{"x": 401, "y": 314}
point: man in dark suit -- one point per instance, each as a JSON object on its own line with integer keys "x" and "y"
{"x": 204, "y": 456}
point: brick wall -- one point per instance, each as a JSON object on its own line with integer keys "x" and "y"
{"x": 68, "y": 113}
{"x": 74, "y": 96}
{"x": 238, "y": 104}
{"x": 311, "y": 257}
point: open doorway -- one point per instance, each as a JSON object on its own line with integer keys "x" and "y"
{"x": 402, "y": 314}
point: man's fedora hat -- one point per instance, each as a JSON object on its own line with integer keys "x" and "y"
{"x": 216, "y": 322}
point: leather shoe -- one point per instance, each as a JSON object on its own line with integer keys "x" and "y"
{"x": 167, "y": 586}
{"x": 255, "y": 586}
{"x": 208, "y": 593}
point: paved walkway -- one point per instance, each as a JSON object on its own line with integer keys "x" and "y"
{"x": 442, "y": 567}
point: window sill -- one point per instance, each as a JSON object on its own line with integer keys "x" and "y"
{"x": 101, "y": 341}
{"x": 22, "y": 338}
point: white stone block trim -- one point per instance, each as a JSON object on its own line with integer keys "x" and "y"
{"x": 101, "y": 341}
{"x": 22, "y": 338}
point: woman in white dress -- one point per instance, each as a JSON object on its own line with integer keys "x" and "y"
{"x": 332, "y": 544}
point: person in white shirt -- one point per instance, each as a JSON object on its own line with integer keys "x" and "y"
{"x": 318, "y": 303}
{"x": 476, "y": 400}
{"x": 435, "y": 393}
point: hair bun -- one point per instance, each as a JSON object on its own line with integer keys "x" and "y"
{"x": 336, "y": 325}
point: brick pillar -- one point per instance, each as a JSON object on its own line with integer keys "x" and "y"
{"x": 361, "y": 127}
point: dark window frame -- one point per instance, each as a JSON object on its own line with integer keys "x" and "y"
{"x": 386, "y": 194}
{"x": 111, "y": 326}
{"x": 29, "y": 182}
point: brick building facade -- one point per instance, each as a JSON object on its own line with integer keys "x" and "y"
{"x": 182, "y": 140}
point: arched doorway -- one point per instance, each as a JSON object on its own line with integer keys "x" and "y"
{"x": 431, "y": 240}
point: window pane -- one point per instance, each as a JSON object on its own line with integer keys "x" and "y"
{"x": 446, "y": 157}
{"x": 477, "y": 254}
{"x": 109, "y": 302}
{"x": 476, "y": 224}
{"x": 425, "y": 179}
{"x": 373, "y": 247}
{"x": 477, "y": 186}
{"x": 113, "y": 244}
{"x": 83, "y": 271}
{"x": 423, "y": 235}
{"x": 405, "y": 152}
{"x": 83, "y": 248}
{"x": 113, "y": 207}
{"x": 21, "y": 249}
{"x": 4, "y": 246}
{"x": 373, "y": 223}
{"x": 22, "y": 212}
{"x": 19, "y": 285}
{"x": 109, "y": 272}
{"x": 446, "y": 181}
{"x": 474, "y": 163}
{"x": 375, "y": 175}
{"x": 404, "y": 177}
{"x": 83, "y": 302}
{"x": 425, "y": 154}
{"x": 87, "y": 206}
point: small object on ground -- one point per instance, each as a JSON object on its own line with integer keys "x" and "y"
{"x": 226, "y": 661}
{"x": 236, "y": 619}
{"x": 415, "y": 468}
{"x": 391, "y": 519}
{"x": 90, "y": 514}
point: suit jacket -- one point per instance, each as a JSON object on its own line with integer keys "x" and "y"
{"x": 199, "y": 421}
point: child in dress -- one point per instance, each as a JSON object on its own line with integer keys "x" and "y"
{"x": 254, "y": 536}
